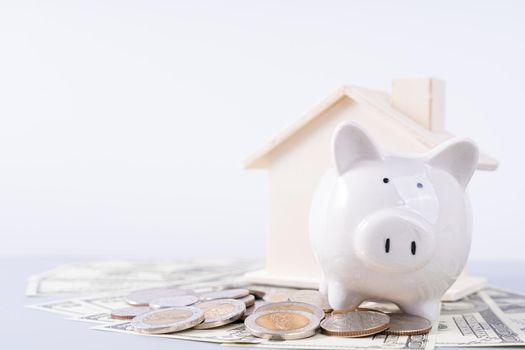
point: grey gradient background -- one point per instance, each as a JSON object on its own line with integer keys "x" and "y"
{"x": 123, "y": 123}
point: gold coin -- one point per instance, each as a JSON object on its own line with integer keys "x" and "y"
{"x": 220, "y": 312}
{"x": 282, "y": 321}
{"x": 282, "y": 325}
{"x": 406, "y": 324}
{"x": 355, "y": 324}
{"x": 293, "y": 305}
{"x": 168, "y": 320}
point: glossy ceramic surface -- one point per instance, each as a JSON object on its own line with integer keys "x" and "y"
{"x": 392, "y": 227}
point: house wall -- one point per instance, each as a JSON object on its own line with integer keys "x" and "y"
{"x": 297, "y": 166}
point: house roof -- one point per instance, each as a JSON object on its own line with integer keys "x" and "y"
{"x": 372, "y": 98}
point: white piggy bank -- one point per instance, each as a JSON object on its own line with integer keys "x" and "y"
{"x": 389, "y": 227}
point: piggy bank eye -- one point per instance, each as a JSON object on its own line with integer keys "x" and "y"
{"x": 419, "y": 185}
{"x": 385, "y": 180}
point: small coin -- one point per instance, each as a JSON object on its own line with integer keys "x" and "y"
{"x": 250, "y": 310}
{"x": 168, "y": 320}
{"x": 256, "y": 292}
{"x": 406, "y": 324}
{"x": 225, "y": 294}
{"x": 293, "y": 305}
{"x": 173, "y": 301}
{"x": 127, "y": 313}
{"x": 278, "y": 296}
{"x": 355, "y": 324}
{"x": 313, "y": 297}
{"x": 248, "y": 300}
{"x": 220, "y": 312}
{"x": 145, "y": 296}
{"x": 282, "y": 325}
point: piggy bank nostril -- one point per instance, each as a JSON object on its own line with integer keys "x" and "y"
{"x": 387, "y": 245}
{"x": 413, "y": 248}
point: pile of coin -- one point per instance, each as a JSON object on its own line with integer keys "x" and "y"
{"x": 280, "y": 315}
{"x": 169, "y": 309}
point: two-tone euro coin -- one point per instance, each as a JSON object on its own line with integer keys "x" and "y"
{"x": 168, "y": 320}
{"x": 220, "y": 312}
{"x": 294, "y": 306}
{"x": 282, "y": 324}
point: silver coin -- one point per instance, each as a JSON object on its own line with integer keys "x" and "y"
{"x": 248, "y": 300}
{"x": 250, "y": 310}
{"x": 173, "y": 301}
{"x": 406, "y": 324}
{"x": 145, "y": 296}
{"x": 220, "y": 312}
{"x": 127, "y": 313}
{"x": 256, "y": 292}
{"x": 253, "y": 289}
{"x": 312, "y": 297}
{"x": 282, "y": 324}
{"x": 293, "y": 305}
{"x": 355, "y": 323}
{"x": 168, "y": 320}
{"x": 210, "y": 287}
{"x": 225, "y": 294}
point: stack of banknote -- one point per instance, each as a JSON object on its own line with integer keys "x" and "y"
{"x": 492, "y": 317}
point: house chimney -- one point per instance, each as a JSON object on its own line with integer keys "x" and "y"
{"x": 422, "y": 100}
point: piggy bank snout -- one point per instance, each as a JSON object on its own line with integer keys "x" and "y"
{"x": 395, "y": 240}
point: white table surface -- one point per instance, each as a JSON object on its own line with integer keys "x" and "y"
{"x": 23, "y": 328}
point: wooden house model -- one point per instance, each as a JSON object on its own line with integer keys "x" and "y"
{"x": 410, "y": 120}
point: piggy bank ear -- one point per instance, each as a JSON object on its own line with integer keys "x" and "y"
{"x": 351, "y": 144}
{"x": 459, "y": 157}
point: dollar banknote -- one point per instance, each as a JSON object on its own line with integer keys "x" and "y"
{"x": 99, "y": 318}
{"x": 492, "y": 317}
{"x": 511, "y": 303}
{"x": 237, "y": 334}
{"x": 476, "y": 321}
{"x": 106, "y": 276}
{"x": 232, "y": 334}
{"x": 381, "y": 341}
{"x": 69, "y": 307}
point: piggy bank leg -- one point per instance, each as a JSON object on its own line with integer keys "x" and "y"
{"x": 429, "y": 309}
{"x": 341, "y": 298}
